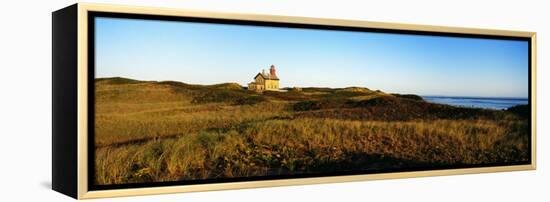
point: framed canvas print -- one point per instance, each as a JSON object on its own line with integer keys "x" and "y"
{"x": 152, "y": 100}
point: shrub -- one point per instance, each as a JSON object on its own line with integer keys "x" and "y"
{"x": 252, "y": 100}
{"x": 289, "y": 96}
{"x": 409, "y": 96}
{"x": 521, "y": 110}
{"x": 307, "y": 106}
{"x": 217, "y": 95}
{"x": 379, "y": 101}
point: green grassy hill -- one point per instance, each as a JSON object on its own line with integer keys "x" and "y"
{"x": 164, "y": 131}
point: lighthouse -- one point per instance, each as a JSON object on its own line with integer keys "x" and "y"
{"x": 263, "y": 81}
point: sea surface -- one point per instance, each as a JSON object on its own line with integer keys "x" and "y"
{"x": 477, "y": 102}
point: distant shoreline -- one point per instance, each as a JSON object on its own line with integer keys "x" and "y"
{"x": 477, "y": 102}
{"x": 474, "y": 97}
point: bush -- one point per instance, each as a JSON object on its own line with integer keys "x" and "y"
{"x": 216, "y": 95}
{"x": 307, "y": 106}
{"x": 252, "y": 100}
{"x": 521, "y": 110}
{"x": 409, "y": 96}
{"x": 379, "y": 101}
{"x": 289, "y": 96}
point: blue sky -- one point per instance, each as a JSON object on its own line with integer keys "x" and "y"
{"x": 201, "y": 53}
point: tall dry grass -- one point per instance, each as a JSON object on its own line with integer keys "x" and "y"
{"x": 311, "y": 145}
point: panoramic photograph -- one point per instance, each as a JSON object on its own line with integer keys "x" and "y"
{"x": 191, "y": 101}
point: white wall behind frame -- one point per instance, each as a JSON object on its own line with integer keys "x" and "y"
{"x": 25, "y": 104}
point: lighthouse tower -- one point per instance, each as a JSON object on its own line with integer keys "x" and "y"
{"x": 272, "y": 72}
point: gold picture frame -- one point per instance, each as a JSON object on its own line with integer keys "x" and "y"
{"x": 71, "y": 163}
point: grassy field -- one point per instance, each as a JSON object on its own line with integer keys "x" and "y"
{"x": 167, "y": 131}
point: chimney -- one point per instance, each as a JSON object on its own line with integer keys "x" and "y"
{"x": 263, "y": 72}
{"x": 272, "y": 70}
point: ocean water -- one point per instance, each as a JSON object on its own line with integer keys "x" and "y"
{"x": 476, "y": 102}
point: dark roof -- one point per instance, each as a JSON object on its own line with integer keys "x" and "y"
{"x": 267, "y": 77}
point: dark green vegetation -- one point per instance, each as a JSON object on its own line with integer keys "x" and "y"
{"x": 166, "y": 131}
